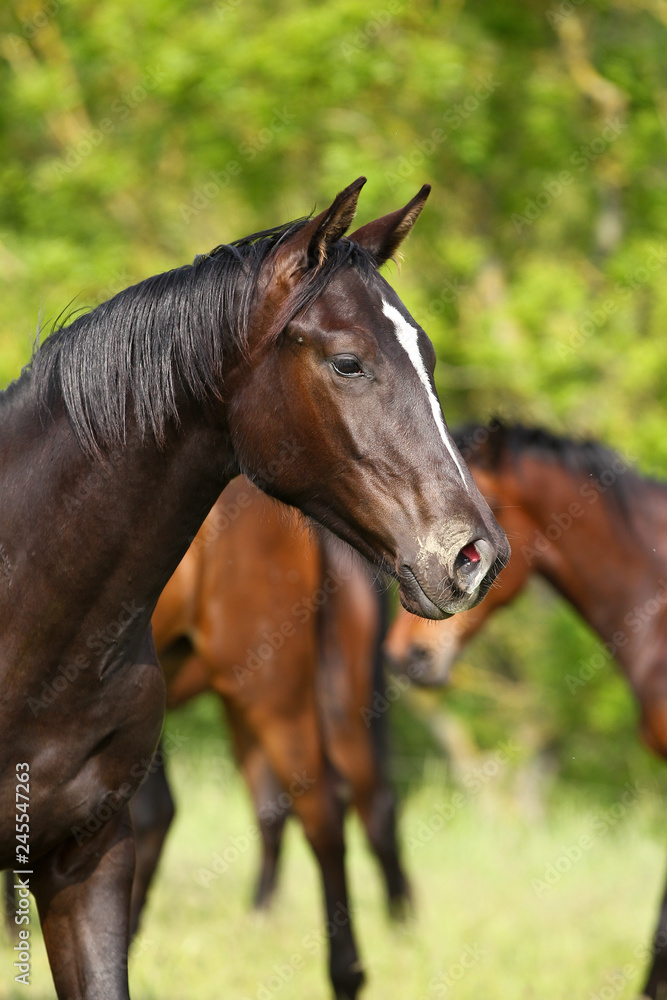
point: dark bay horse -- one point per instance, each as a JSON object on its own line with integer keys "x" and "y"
{"x": 115, "y": 443}
{"x": 580, "y": 517}
{"x": 292, "y": 651}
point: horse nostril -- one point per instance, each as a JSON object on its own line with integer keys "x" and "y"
{"x": 472, "y": 563}
{"x": 467, "y": 558}
{"x": 470, "y": 553}
{"x": 418, "y": 662}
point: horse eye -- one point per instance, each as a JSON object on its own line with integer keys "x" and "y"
{"x": 347, "y": 366}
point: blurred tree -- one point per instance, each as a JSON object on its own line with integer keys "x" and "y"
{"x": 134, "y": 136}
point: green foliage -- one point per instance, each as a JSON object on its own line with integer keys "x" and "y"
{"x": 135, "y": 136}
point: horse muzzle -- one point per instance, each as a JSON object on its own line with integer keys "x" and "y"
{"x": 432, "y": 590}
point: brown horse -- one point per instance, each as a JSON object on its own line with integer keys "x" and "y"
{"x": 581, "y": 518}
{"x": 114, "y": 445}
{"x": 291, "y": 651}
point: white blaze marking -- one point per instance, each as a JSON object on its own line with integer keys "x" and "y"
{"x": 407, "y": 338}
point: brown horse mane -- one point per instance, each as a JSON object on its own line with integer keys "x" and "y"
{"x": 165, "y": 336}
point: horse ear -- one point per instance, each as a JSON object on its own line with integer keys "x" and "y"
{"x": 308, "y": 248}
{"x": 384, "y": 236}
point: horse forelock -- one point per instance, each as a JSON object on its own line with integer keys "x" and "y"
{"x": 341, "y": 255}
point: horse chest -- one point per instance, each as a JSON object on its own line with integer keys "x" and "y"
{"x": 88, "y": 749}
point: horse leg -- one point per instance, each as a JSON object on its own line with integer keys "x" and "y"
{"x": 377, "y": 811}
{"x": 654, "y": 734}
{"x": 265, "y": 790}
{"x": 351, "y": 677}
{"x": 359, "y": 754}
{"x": 356, "y": 758}
{"x": 271, "y": 818}
{"x": 294, "y": 749}
{"x": 152, "y": 810}
{"x": 83, "y": 896}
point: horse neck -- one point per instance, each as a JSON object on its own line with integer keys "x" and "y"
{"x": 180, "y": 483}
{"x": 598, "y": 559}
{"x": 101, "y": 531}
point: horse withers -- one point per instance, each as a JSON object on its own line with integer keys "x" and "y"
{"x": 114, "y": 445}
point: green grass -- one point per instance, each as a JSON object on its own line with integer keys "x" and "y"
{"x": 473, "y": 892}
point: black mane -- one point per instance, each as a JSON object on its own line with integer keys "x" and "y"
{"x": 164, "y": 335}
{"x": 488, "y": 445}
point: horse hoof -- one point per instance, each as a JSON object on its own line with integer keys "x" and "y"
{"x": 347, "y": 985}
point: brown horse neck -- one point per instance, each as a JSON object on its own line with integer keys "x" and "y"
{"x": 597, "y": 556}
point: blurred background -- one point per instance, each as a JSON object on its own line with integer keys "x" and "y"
{"x": 135, "y": 136}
